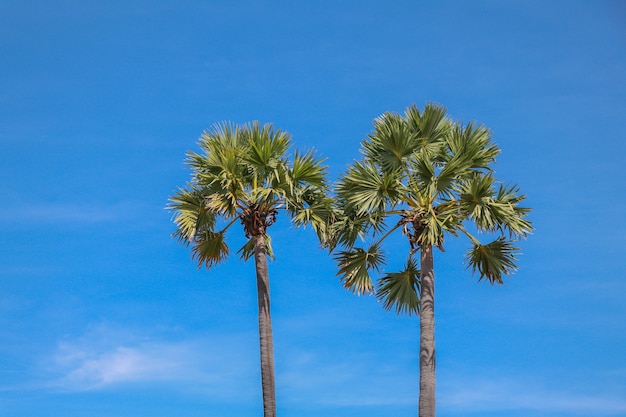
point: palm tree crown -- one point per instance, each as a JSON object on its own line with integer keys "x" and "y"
{"x": 426, "y": 176}
{"x": 244, "y": 173}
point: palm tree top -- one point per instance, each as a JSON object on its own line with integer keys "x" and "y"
{"x": 246, "y": 173}
{"x": 426, "y": 176}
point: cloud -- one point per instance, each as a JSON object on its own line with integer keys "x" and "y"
{"x": 151, "y": 362}
{"x": 108, "y": 358}
{"x": 522, "y": 394}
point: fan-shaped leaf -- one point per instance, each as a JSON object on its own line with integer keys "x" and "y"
{"x": 354, "y": 267}
{"x": 401, "y": 290}
{"x": 492, "y": 260}
{"x": 209, "y": 249}
{"x": 247, "y": 251}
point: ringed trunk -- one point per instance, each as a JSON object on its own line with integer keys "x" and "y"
{"x": 265, "y": 327}
{"x": 427, "y": 334}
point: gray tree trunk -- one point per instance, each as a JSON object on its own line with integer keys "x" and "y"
{"x": 265, "y": 328}
{"x": 427, "y": 334}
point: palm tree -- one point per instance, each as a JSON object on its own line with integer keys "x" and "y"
{"x": 244, "y": 175}
{"x": 426, "y": 177}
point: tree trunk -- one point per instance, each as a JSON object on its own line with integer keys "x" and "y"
{"x": 427, "y": 334}
{"x": 265, "y": 327}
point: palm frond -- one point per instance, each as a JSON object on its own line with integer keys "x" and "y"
{"x": 390, "y": 144}
{"x": 308, "y": 169}
{"x": 348, "y": 225}
{"x": 428, "y": 127}
{"x": 368, "y": 190}
{"x": 354, "y": 267}
{"x": 209, "y": 248}
{"x": 493, "y": 210}
{"x": 190, "y": 214}
{"x": 423, "y": 176}
{"x": 401, "y": 290}
{"x": 266, "y": 152}
{"x": 314, "y": 208}
{"x": 492, "y": 260}
{"x": 247, "y": 251}
{"x": 515, "y": 221}
{"x": 476, "y": 201}
{"x": 474, "y": 143}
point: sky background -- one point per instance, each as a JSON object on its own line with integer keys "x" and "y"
{"x": 103, "y": 314}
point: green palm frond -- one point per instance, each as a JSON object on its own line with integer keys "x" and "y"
{"x": 428, "y": 127}
{"x": 348, "y": 225}
{"x": 312, "y": 208}
{"x": 515, "y": 222}
{"x": 455, "y": 169}
{"x": 401, "y": 290}
{"x": 493, "y": 210}
{"x": 492, "y": 260}
{"x": 390, "y": 143}
{"x": 268, "y": 196}
{"x": 354, "y": 267}
{"x": 307, "y": 168}
{"x": 209, "y": 248}
{"x": 190, "y": 214}
{"x": 473, "y": 142}
{"x": 221, "y": 135}
{"x": 220, "y": 158}
{"x": 265, "y": 158}
{"x": 449, "y": 218}
{"x": 368, "y": 190}
{"x": 432, "y": 233}
{"x": 423, "y": 177}
{"x": 476, "y": 201}
{"x": 224, "y": 201}
{"x": 345, "y": 231}
{"x": 247, "y": 251}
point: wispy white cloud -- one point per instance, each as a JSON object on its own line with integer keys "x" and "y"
{"x": 107, "y": 358}
{"x": 523, "y": 394}
{"x": 154, "y": 362}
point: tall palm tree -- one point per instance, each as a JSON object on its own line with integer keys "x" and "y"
{"x": 426, "y": 177}
{"x": 244, "y": 175}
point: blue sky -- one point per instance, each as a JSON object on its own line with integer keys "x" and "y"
{"x": 103, "y": 314}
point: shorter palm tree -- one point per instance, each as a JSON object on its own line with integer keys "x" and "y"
{"x": 244, "y": 175}
{"x": 426, "y": 177}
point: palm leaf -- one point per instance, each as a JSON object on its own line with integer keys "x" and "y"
{"x": 492, "y": 210}
{"x": 354, "y": 267}
{"x": 390, "y": 143}
{"x": 401, "y": 290}
{"x": 515, "y": 221}
{"x": 347, "y": 225}
{"x": 209, "y": 248}
{"x": 307, "y": 169}
{"x": 428, "y": 127}
{"x": 473, "y": 143}
{"x": 247, "y": 251}
{"x": 368, "y": 190}
{"x": 492, "y": 260}
{"x": 313, "y": 208}
{"x": 190, "y": 214}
